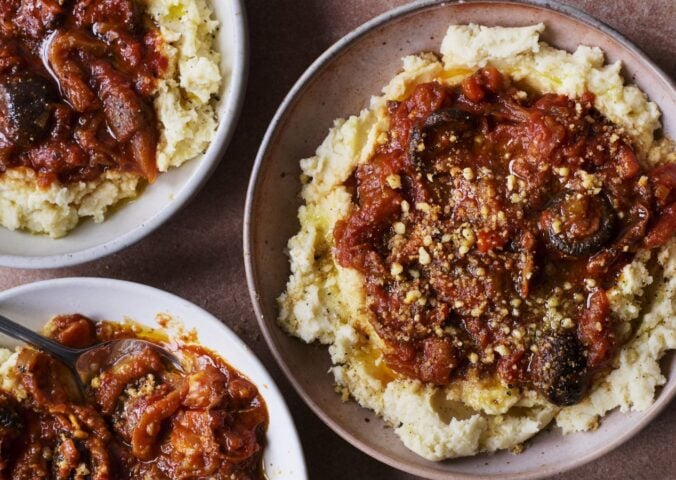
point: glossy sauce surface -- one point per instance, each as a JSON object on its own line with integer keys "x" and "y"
{"x": 489, "y": 225}
{"x": 77, "y": 80}
{"x": 141, "y": 419}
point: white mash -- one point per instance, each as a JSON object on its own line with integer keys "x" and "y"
{"x": 327, "y": 303}
{"x": 183, "y": 106}
{"x": 9, "y": 375}
{"x": 183, "y": 103}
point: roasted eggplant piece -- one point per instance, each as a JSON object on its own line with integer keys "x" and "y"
{"x": 453, "y": 118}
{"x": 577, "y": 224}
{"x": 559, "y": 368}
{"x": 25, "y": 108}
{"x": 11, "y": 427}
{"x": 10, "y": 420}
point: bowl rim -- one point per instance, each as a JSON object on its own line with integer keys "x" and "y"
{"x": 664, "y": 397}
{"x": 232, "y": 108}
{"x": 122, "y": 286}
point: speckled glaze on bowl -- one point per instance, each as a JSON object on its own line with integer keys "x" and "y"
{"x": 339, "y": 84}
{"x": 131, "y": 222}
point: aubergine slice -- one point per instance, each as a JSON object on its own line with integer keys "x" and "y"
{"x": 454, "y": 119}
{"x": 25, "y": 108}
{"x": 577, "y": 224}
{"x": 11, "y": 428}
{"x": 559, "y": 368}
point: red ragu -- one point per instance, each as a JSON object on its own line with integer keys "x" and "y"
{"x": 139, "y": 418}
{"x": 77, "y": 81}
{"x": 487, "y": 205}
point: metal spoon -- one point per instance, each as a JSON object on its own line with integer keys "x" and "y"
{"x": 86, "y": 362}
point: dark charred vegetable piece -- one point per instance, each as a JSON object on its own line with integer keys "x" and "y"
{"x": 578, "y": 226}
{"x": 11, "y": 427}
{"x": 559, "y": 368}
{"x": 125, "y": 112}
{"x": 25, "y": 108}
{"x": 453, "y": 118}
{"x": 629, "y": 240}
{"x": 10, "y": 420}
{"x": 457, "y": 119}
{"x": 127, "y": 116}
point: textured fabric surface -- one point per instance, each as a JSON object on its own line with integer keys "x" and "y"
{"x": 198, "y": 254}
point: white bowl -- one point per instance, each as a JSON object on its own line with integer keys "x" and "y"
{"x": 171, "y": 190}
{"x": 34, "y": 304}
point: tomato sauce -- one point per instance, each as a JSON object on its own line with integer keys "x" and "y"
{"x": 489, "y": 227}
{"x": 139, "y": 418}
{"x": 77, "y": 82}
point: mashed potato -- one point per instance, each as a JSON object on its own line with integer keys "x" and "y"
{"x": 327, "y": 303}
{"x": 57, "y": 209}
{"x": 183, "y": 103}
{"x": 183, "y": 106}
{"x": 9, "y": 379}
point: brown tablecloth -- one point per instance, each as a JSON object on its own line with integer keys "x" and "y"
{"x": 198, "y": 254}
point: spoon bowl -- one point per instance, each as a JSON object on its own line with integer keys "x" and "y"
{"x": 92, "y": 360}
{"x": 85, "y": 363}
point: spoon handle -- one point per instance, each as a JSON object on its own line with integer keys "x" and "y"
{"x": 14, "y": 330}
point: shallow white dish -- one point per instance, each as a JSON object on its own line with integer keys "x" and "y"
{"x": 34, "y": 304}
{"x": 172, "y": 190}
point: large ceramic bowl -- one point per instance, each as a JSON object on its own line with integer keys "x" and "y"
{"x": 168, "y": 194}
{"x": 34, "y": 304}
{"x": 339, "y": 84}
